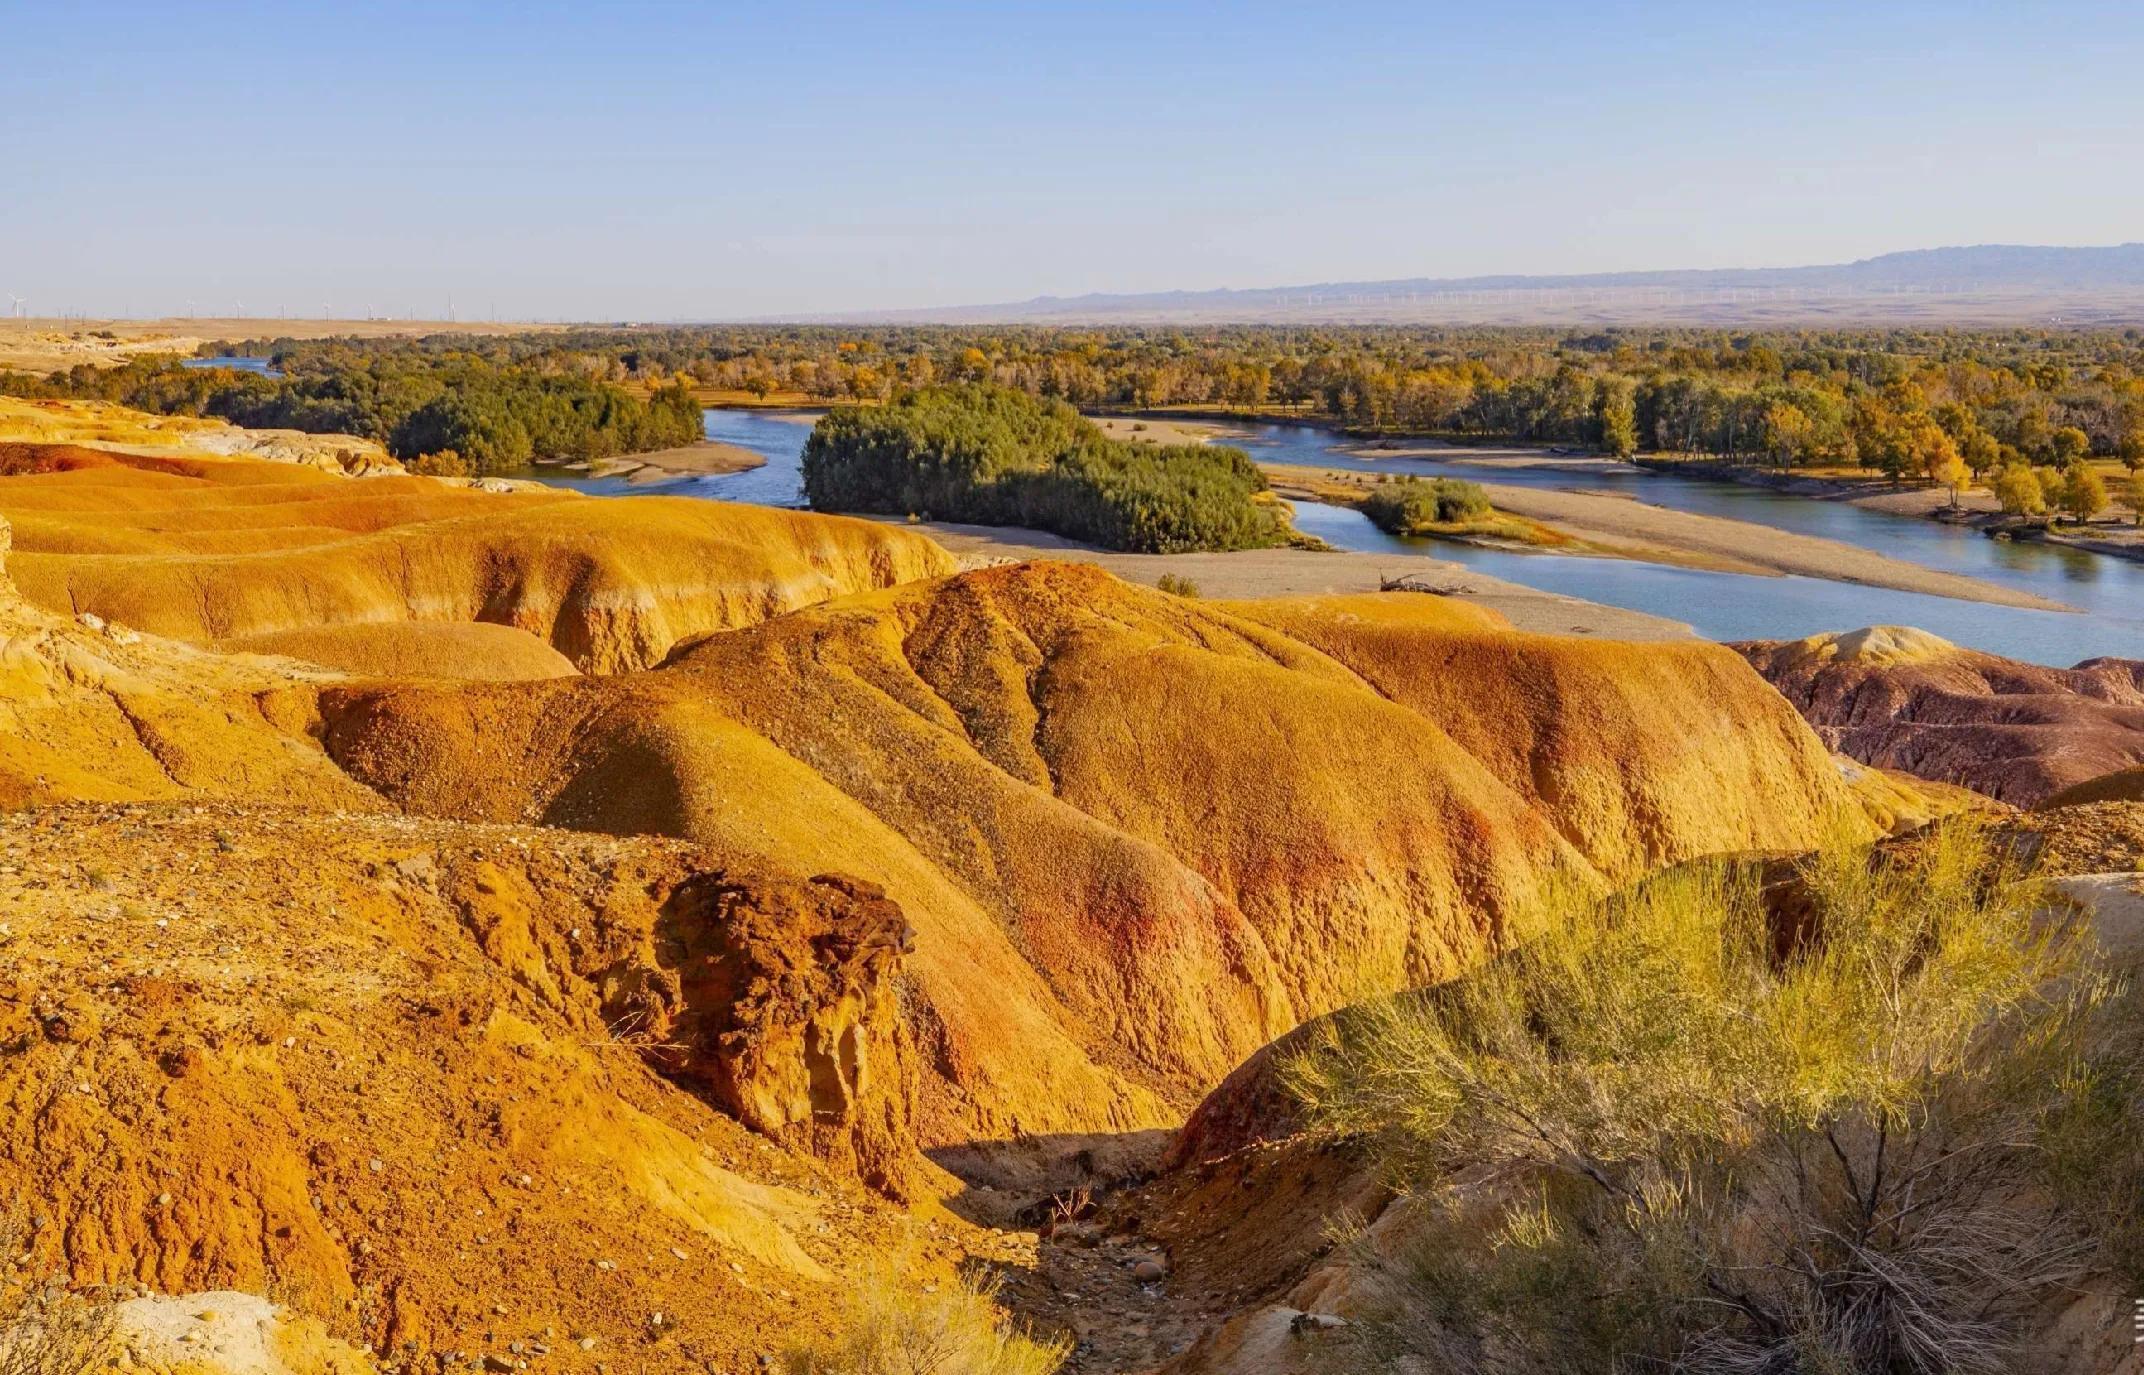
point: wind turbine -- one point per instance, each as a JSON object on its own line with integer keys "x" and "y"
{"x": 17, "y": 307}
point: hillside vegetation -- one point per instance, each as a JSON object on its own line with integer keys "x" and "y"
{"x": 1877, "y": 1116}
{"x": 993, "y": 456}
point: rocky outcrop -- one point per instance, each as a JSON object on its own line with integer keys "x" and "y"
{"x": 1904, "y": 699}
{"x": 780, "y": 1002}
{"x": 376, "y": 1067}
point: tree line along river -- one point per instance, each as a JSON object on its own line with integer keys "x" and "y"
{"x": 2107, "y": 592}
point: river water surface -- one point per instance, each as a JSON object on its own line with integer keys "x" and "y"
{"x": 2108, "y": 592}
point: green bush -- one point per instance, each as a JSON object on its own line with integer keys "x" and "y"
{"x": 992, "y": 456}
{"x": 1413, "y": 503}
{"x": 1689, "y": 1132}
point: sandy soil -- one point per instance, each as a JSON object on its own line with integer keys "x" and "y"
{"x": 1486, "y": 455}
{"x": 703, "y": 459}
{"x": 1141, "y": 429}
{"x": 1634, "y": 529}
{"x": 1250, "y": 573}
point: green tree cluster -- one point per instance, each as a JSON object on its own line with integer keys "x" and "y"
{"x": 1788, "y": 397}
{"x": 995, "y": 456}
{"x": 1414, "y": 503}
{"x": 496, "y": 417}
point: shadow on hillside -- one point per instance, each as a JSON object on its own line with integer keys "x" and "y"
{"x": 1006, "y": 1182}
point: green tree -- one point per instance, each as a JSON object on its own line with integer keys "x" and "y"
{"x": 2069, "y": 444}
{"x": 1619, "y": 420}
{"x": 1981, "y": 453}
{"x": 995, "y": 456}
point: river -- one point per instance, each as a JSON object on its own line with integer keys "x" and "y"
{"x": 236, "y": 363}
{"x": 2108, "y": 592}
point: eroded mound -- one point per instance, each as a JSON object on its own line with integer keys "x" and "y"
{"x": 1139, "y": 836}
{"x": 103, "y": 425}
{"x": 1905, "y": 700}
{"x": 2122, "y": 785}
{"x": 448, "y": 1088}
{"x": 89, "y": 711}
{"x": 235, "y": 551}
{"x": 474, "y": 651}
{"x": 1643, "y": 755}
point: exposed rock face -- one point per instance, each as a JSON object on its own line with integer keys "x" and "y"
{"x": 781, "y": 1003}
{"x": 371, "y": 1065}
{"x": 93, "y": 711}
{"x": 433, "y": 1072}
{"x": 1904, "y": 699}
{"x": 1139, "y": 837}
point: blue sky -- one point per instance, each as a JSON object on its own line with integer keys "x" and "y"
{"x": 708, "y": 161}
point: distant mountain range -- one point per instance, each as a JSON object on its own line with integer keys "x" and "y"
{"x": 1997, "y": 283}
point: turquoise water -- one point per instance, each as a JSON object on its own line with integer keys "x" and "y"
{"x": 2108, "y": 592}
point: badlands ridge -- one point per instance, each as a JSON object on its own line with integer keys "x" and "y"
{"x": 507, "y": 925}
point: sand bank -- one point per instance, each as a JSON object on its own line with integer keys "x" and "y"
{"x": 1255, "y": 573}
{"x": 1629, "y": 528}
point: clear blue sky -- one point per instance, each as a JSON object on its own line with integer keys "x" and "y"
{"x": 707, "y": 161}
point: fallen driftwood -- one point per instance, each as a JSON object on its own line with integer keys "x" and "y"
{"x": 1415, "y": 582}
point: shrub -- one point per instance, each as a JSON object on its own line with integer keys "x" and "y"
{"x": 992, "y": 456}
{"x": 1414, "y": 503}
{"x": 887, "y": 1329}
{"x": 444, "y": 463}
{"x": 1177, "y": 586}
{"x": 1677, "y": 1131}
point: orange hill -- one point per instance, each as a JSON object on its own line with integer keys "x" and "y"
{"x": 1139, "y": 836}
{"x": 879, "y": 861}
{"x": 238, "y": 552}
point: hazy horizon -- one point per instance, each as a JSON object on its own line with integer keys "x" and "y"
{"x": 655, "y": 162}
